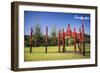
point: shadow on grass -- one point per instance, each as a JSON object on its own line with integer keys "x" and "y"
{"x": 77, "y": 52}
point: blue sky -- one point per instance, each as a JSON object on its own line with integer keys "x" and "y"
{"x": 55, "y": 19}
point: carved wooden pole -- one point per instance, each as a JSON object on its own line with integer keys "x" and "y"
{"x": 75, "y": 39}
{"x": 59, "y": 40}
{"x": 83, "y": 40}
{"x": 46, "y": 39}
{"x": 31, "y": 40}
{"x": 63, "y": 40}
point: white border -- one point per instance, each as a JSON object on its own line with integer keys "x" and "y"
{"x": 23, "y": 64}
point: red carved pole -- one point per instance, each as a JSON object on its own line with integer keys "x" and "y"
{"x": 83, "y": 37}
{"x": 59, "y": 40}
{"x": 46, "y": 39}
{"x": 63, "y": 40}
{"x": 69, "y": 30}
{"x": 75, "y": 39}
{"x": 31, "y": 40}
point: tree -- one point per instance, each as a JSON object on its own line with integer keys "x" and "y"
{"x": 53, "y": 38}
{"x": 37, "y": 34}
{"x": 66, "y": 41}
{"x": 71, "y": 41}
{"x": 53, "y": 32}
{"x": 26, "y": 39}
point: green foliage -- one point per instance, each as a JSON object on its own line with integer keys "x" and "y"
{"x": 27, "y": 42}
{"x": 38, "y": 37}
{"x": 87, "y": 38}
{"x": 66, "y": 41}
{"x": 69, "y": 41}
{"x": 53, "y": 32}
{"x": 53, "y": 41}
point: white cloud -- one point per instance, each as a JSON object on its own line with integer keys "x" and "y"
{"x": 81, "y": 17}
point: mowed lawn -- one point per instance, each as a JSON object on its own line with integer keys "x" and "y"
{"x": 38, "y": 54}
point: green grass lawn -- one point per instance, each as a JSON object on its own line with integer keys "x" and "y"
{"x": 38, "y": 54}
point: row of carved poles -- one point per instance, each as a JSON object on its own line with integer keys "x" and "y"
{"x": 81, "y": 41}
